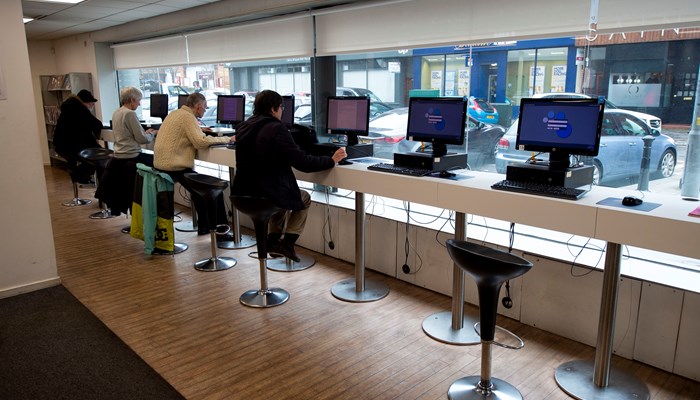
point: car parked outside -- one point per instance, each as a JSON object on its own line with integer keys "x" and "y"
{"x": 653, "y": 121}
{"x": 620, "y": 153}
{"x": 481, "y": 110}
{"x": 302, "y": 113}
{"x": 388, "y": 134}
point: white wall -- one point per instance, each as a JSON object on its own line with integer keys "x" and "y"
{"x": 27, "y": 247}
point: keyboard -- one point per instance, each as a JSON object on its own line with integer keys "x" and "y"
{"x": 540, "y": 189}
{"x": 395, "y": 169}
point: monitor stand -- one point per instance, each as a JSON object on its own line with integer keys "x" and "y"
{"x": 445, "y": 162}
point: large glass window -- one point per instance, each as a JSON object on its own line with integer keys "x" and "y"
{"x": 649, "y": 84}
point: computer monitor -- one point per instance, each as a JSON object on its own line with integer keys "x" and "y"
{"x": 439, "y": 120}
{"x": 182, "y": 100}
{"x": 230, "y": 109}
{"x": 288, "y": 112}
{"x": 349, "y": 116}
{"x": 159, "y": 105}
{"x": 561, "y": 127}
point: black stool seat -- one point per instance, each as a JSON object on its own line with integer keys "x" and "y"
{"x": 210, "y": 188}
{"x": 490, "y": 268}
{"x": 97, "y": 156}
{"x": 260, "y": 210}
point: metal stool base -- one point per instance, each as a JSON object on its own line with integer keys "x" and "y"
{"x": 77, "y": 202}
{"x": 264, "y": 298}
{"x": 177, "y": 249}
{"x": 467, "y": 388}
{"x": 284, "y": 264}
{"x": 215, "y": 264}
{"x": 439, "y": 327}
{"x": 245, "y": 242}
{"x": 576, "y": 379}
{"x": 345, "y": 290}
{"x": 186, "y": 226}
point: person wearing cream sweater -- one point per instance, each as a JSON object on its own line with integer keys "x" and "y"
{"x": 178, "y": 139}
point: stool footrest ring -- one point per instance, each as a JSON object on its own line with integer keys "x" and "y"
{"x": 222, "y": 229}
{"x": 520, "y": 345}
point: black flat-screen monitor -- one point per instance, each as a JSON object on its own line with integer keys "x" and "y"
{"x": 349, "y": 116}
{"x": 288, "y": 112}
{"x": 182, "y": 100}
{"x": 230, "y": 109}
{"x": 439, "y": 120}
{"x": 561, "y": 127}
{"x": 159, "y": 105}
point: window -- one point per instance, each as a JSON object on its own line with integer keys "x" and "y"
{"x": 652, "y": 79}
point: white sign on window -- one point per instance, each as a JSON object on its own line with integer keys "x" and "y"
{"x": 536, "y": 84}
{"x": 463, "y": 82}
{"x": 436, "y": 80}
{"x": 394, "y": 67}
{"x": 558, "y": 84}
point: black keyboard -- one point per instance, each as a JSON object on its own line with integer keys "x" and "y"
{"x": 540, "y": 189}
{"x": 395, "y": 169}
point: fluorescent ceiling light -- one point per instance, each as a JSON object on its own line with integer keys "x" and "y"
{"x": 25, "y": 19}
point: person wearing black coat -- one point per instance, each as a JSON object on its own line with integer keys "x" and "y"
{"x": 265, "y": 156}
{"x": 77, "y": 129}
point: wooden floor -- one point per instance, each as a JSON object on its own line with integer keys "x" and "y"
{"x": 190, "y": 327}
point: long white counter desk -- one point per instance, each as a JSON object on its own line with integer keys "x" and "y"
{"x": 471, "y": 193}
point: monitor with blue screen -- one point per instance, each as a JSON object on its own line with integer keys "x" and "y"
{"x": 348, "y": 115}
{"x": 561, "y": 127}
{"x": 230, "y": 109}
{"x": 438, "y": 120}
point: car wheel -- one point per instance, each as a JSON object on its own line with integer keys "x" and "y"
{"x": 667, "y": 164}
{"x": 597, "y": 173}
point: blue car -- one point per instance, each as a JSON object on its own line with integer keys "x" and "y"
{"x": 620, "y": 153}
{"x": 482, "y": 110}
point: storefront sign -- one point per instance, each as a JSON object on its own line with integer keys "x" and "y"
{"x": 394, "y": 67}
{"x": 558, "y": 81}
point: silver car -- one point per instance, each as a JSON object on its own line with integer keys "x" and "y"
{"x": 620, "y": 153}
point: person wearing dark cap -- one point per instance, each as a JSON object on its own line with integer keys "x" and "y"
{"x": 77, "y": 129}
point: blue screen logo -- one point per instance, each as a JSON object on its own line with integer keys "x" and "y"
{"x": 435, "y": 118}
{"x": 558, "y": 123}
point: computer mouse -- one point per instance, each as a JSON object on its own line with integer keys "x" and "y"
{"x": 345, "y": 162}
{"x": 446, "y": 174}
{"x": 631, "y": 201}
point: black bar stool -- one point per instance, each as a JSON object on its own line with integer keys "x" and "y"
{"x": 260, "y": 210}
{"x": 490, "y": 268}
{"x": 211, "y": 188}
{"x": 77, "y": 200}
{"x": 98, "y": 158}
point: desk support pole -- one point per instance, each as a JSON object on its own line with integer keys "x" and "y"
{"x": 453, "y": 327}
{"x": 583, "y": 379}
{"x": 239, "y": 241}
{"x": 359, "y": 290}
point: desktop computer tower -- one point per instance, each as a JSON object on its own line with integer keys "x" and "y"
{"x": 571, "y": 177}
{"x": 445, "y": 162}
